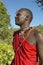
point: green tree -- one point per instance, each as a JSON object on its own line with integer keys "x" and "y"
{"x": 4, "y": 21}
{"x": 40, "y": 3}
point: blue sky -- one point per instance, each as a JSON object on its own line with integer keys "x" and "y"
{"x": 14, "y": 5}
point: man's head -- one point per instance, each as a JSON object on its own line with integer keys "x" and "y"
{"x": 23, "y": 15}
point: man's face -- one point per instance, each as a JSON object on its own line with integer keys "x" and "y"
{"x": 20, "y": 17}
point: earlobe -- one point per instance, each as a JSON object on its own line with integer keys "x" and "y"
{"x": 27, "y": 17}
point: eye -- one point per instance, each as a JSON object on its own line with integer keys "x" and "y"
{"x": 18, "y": 14}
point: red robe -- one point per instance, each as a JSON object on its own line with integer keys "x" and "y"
{"x": 26, "y": 55}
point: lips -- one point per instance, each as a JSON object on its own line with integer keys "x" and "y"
{"x": 17, "y": 18}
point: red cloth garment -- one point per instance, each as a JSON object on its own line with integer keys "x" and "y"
{"x": 26, "y": 54}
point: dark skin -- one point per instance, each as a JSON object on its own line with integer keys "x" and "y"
{"x": 35, "y": 37}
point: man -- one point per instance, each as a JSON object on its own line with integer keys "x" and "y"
{"x": 27, "y": 42}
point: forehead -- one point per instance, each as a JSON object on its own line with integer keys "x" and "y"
{"x": 21, "y": 12}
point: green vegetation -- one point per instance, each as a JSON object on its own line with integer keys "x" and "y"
{"x": 39, "y": 28}
{"x": 4, "y": 21}
{"x": 6, "y": 54}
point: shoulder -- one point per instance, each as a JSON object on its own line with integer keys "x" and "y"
{"x": 36, "y": 32}
{"x": 16, "y": 32}
{"x": 38, "y": 35}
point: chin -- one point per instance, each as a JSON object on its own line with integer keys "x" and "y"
{"x": 16, "y": 23}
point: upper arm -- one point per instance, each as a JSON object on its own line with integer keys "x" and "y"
{"x": 40, "y": 45}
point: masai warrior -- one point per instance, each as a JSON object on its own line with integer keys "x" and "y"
{"x": 27, "y": 41}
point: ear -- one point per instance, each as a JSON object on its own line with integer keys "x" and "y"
{"x": 27, "y": 17}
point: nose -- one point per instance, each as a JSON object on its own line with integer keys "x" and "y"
{"x": 16, "y": 17}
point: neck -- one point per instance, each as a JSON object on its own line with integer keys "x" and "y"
{"x": 25, "y": 25}
{"x": 25, "y": 28}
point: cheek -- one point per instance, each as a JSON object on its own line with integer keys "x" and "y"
{"x": 22, "y": 18}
